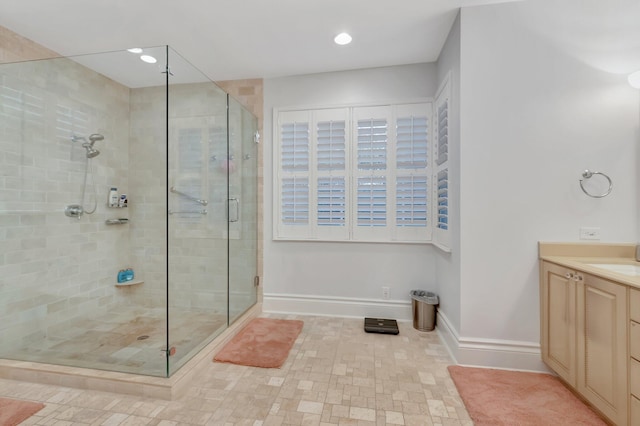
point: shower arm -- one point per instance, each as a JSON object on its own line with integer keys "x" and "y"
{"x": 197, "y": 200}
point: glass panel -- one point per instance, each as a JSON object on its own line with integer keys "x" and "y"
{"x": 243, "y": 209}
{"x": 197, "y": 211}
{"x": 70, "y": 130}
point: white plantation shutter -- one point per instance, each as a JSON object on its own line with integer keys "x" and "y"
{"x": 293, "y": 154}
{"x": 354, "y": 174}
{"x": 331, "y": 157}
{"x": 411, "y": 201}
{"x": 412, "y": 142}
{"x": 295, "y": 147}
{"x": 331, "y": 201}
{"x": 372, "y": 201}
{"x": 295, "y": 201}
{"x": 412, "y": 172}
{"x": 370, "y": 171}
{"x": 441, "y": 193}
{"x": 372, "y": 144}
{"x": 331, "y": 152}
{"x": 442, "y": 186}
{"x": 442, "y": 141}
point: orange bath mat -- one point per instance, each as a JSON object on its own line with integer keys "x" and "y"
{"x": 264, "y": 342}
{"x": 500, "y": 397}
{"x": 14, "y": 412}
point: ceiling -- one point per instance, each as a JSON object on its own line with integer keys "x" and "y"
{"x": 235, "y": 39}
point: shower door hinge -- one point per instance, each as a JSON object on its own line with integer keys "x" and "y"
{"x": 256, "y": 137}
{"x": 169, "y": 352}
{"x": 256, "y": 281}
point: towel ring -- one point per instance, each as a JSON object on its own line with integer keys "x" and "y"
{"x": 587, "y": 175}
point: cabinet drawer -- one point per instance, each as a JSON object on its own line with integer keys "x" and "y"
{"x": 635, "y": 411}
{"x": 634, "y": 340}
{"x": 634, "y": 377}
{"x": 634, "y": 305}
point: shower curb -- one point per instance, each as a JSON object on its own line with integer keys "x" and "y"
{"x": 124, "y": 383}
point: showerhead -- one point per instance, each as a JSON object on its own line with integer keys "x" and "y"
{"x": 88, "y": 145}
{"x": 91, "y": 151}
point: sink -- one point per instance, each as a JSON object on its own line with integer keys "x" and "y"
{"x": 632, "y": 270}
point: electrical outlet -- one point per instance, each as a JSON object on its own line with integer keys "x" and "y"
{"x": 589, "y": 233}
{"x": 385, "y": 293}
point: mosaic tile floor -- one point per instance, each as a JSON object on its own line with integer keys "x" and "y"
{"x": 129, "y": 339}
{"x": 336, "y": 374}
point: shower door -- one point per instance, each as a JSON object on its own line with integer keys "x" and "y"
{"x": 242, "y": 209}
{"x": 197, "y": 213}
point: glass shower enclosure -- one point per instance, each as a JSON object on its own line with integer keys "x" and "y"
{"x": 128, "y": 200}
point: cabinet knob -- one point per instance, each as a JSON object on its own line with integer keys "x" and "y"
{"x": 569, "y": 275}
{"x": 578, "y": 277}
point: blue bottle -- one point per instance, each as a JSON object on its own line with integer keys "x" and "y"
{"x": 125, "y": 275}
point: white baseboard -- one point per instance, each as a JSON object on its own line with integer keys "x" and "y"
{"x": 477, "y": 352}
{"x": 336, "y": 306}
{"x": 490, "y": 353}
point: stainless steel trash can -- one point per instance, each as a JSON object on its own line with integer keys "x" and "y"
{"x": 423, "y": 305}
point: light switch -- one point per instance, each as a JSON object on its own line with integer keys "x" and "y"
{"x": 589, "y": 233}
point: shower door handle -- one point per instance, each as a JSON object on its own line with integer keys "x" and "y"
{"x": 235, "y": 217}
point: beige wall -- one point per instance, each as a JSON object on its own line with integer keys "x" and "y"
{"x": 14, "y": 48}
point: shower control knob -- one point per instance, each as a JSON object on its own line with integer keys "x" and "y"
{"x": 74, "y": 210}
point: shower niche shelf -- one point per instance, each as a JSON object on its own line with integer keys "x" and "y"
{"x": 117, "y": 206}
{"x": 119, "y": 221}
{"x": 129, "y": 283}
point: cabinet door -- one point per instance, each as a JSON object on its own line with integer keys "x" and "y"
{"x": 558, "y": 332}
{"x": 602, "y": 345}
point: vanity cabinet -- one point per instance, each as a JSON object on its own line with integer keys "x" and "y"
{"x": 558, "y": 332}
{"x": 584, "y": 327}
{"x": 602, "y": 345}
{"x": 634, "y": 355}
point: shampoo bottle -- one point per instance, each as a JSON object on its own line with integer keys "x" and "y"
{"x": 113, "y": 197}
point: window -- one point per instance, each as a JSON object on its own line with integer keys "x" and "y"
{"x": 353, "y": 174}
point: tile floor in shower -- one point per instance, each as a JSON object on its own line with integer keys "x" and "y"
{"x": 128, "y": 339}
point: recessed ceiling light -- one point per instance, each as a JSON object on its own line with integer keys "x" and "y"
{"x": 135, "y": 50}
{"x": 148, "y": 59}
{"x": 342, "y": 39}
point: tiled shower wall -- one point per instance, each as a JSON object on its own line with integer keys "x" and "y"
{"x": 54, "y": 268}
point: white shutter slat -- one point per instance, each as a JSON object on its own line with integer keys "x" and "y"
{"x": 411, "y": 142}
{"x": 372, "y": 144}
{"x": 331, "y": 145}
{"x": 372, "y": 201}
{"x": 294, "y": 147}
{"x": 295, "y": 201}
{"x": 411, "y": 201}
{"x": 443, "y": 132}
{"x": 331, "y": 201}
{"x": 443, "y": 199}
